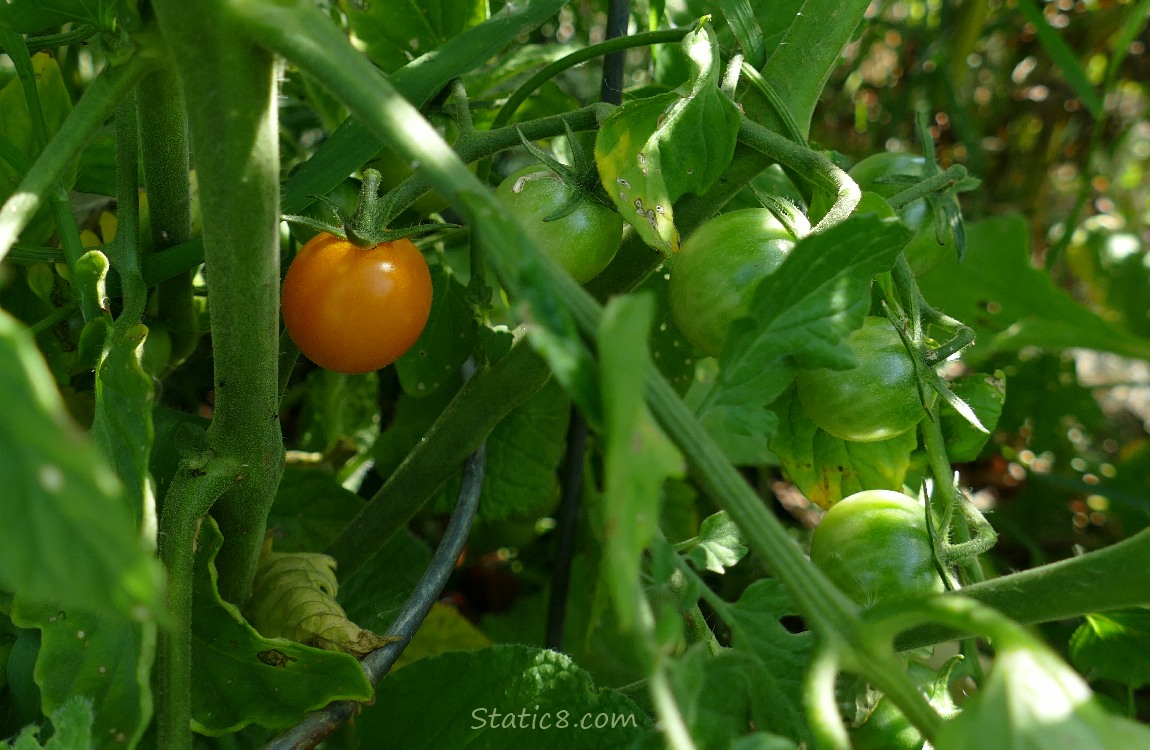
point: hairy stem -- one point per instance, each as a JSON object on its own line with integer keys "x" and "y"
{"x": 230, "y": 83}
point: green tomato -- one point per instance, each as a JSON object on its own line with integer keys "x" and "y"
{"x": 583, "y": 241}
{"x": 874, "y": 546}
{"x": 924, "y": 251}
{"x": 717, "y": 270}
{"x": 876, "y": 399}
{"x": 886, "y": 728}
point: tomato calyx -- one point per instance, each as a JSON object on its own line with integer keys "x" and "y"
{"x": 582, "y": 178}
{"x": 367, "y": 226}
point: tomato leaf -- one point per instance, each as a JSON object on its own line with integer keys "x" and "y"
{"x": 1012, "y": 305}
{"x": 775, "y": 659}
{"x": 444, "y": 629}
{"x": 34, "y": 16}
{"x": 241, "y": 678}
{"x": 985, "y": 395}
{"x": 826, "y": 468}
{"x": 539, "y": 700}
{"x": 447, "y": 339}
{"x": 798, "y": 318}
{"x": 394, "y": 32}
{"x": 71, "y": 729}
{"x": 638, "y": 457}
{"x": 652, "y": 151}
{"x": 68, "y": 535}
{"x": 1033, "y": 699}
{"x": 719, "y": 545}
{"x": 310, "y": 509}
{"x": 105, "y": 661}
{"x": 293, "y": 597}
{"x": 123, "y": 421}
{"x": 19, "y": 137}
{"x": 1114, "y": 646}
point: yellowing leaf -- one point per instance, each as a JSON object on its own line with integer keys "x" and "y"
{"x": 294, "y": 597}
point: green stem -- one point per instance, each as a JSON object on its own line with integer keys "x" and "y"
{"x": 1114, "y": 577}
{"x": 94, "y": 108}
{"x": 192, "y": 491}
{"x": 90, "y": 305}
{"x": 520, "y": 95}
{"x": 164, "y": 150}
{"x": 236, "y": 152}
{"x": 941, "y": 181}
{"x": 815, "y": 167}
{"x": 124, "y": 252}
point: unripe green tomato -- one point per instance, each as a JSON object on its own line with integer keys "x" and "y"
{"x": 876, "y": 399}
{"x": 924, "y": 251}
{"x": 583, "y": 242}
{"x": 874, "y": 546}
{"x": 886, "y": 728}
{"x": 717, "y": 270}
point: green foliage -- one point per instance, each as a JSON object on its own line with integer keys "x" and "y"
{"x": 622, "y": 583}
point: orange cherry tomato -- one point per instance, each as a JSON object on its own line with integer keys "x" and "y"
{"x": 356, "y": 309}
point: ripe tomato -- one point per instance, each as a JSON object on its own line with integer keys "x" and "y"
{"x": 583, "y": 242}
{"x": 874, "y": 546}
{"x": 355, "y": 309}
{"x": 717, "y": 269}
{"x": 876, "y": 399}
{"x": 924, "y": 251}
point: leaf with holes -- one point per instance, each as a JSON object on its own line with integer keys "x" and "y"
{"x": 652, "y": 151}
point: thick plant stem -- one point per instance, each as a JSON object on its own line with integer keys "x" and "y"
{"x": 196, "y": 487}
{"x": 230, "y": 84}
{"x": 165, "y": 154}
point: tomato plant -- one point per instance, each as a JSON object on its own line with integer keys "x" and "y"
{"x": 880, "y": 173}
{"x": 578, "y": 233}
{"x": 716, "y": 271}
{"x": 356, "y": 309}
{"x": 874, "y": 546}
{"x": 876, "y": 399}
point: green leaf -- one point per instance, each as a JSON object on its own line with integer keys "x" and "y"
{"x": 741, "y": 18}
{"x": 447, "y": 339}
{"x": 637, "y": 456}
{"x": 444, "y": 630}
{"x": 34, "y": 16}
{"x": 719, "y": 545}
{"x": 985, "y": 394}
{"x": 17, "y": 132}
{"x": 353, "y": 145}
{"x": 826, "y": 468}
{"x": 652, "y": 151}
{"x": 67, "y": 535}
{"x": 105, "y": 661}
{"x": 1114, "y": 646}
{"x": 673, "y": 354}
{"x": 310, "y": 510}
{"x": 1063, "y": 56}
{"x": 775, "y": 659}
{"x": 395, "y": 32}
{"x": 499, "y": 697}
{"x": 241, "y": 678}
{"x": 123, "y": 423}
{"x": 72, "y": 725}
{"x": 1032, "y": 699}
{"x": 798, "y": 318}
{"x": 373, "y": 594}
{"x": 1012, "y": 305}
